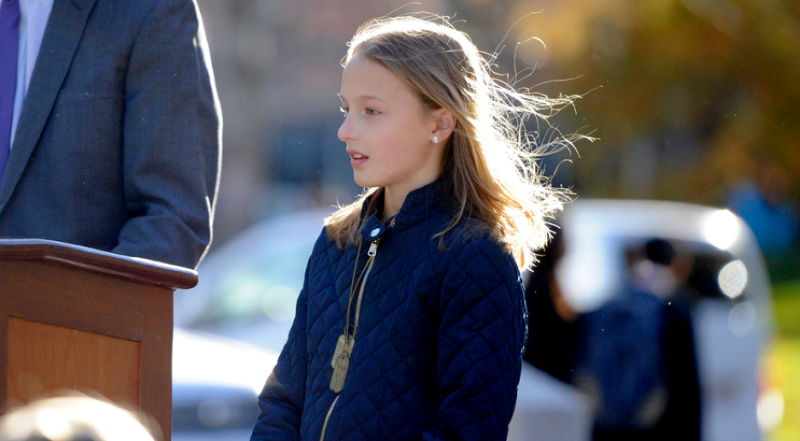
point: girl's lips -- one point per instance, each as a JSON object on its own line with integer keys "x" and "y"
{"x": 355, "y": 162}
{"x": 357, "y": 158}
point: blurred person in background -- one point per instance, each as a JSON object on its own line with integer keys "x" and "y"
{"x": 73, "y": 418}
{"x": 765, "y": 206}
{"x": 110, "y": 129}
{"x": 634, "y": 356}
{"x": 417, "y": 334}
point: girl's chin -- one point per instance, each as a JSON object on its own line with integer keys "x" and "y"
{"x": 364, "y": 180}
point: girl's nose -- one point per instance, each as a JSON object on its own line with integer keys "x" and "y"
{"x": 345, "y": 130}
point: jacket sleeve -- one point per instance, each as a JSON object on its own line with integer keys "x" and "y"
{"x": 171, "y": 132}
{"x": 481, "y": 339}
{"x": 281, "y": 400}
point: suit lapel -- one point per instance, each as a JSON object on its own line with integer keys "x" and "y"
{"x": 62, "y": 35}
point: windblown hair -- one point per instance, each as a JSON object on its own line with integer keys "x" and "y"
{"x": 490, "y": 160}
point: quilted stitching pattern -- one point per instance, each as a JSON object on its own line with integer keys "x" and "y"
{"x": 439, "y": 345}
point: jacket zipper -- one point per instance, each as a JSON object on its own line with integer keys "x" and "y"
{"x": 328, "y": 417}
{"x": 372, "y": 252}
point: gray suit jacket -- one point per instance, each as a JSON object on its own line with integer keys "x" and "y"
{"x": 119, "y": 141}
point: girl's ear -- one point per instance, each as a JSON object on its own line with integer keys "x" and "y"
{"x": 445, "y": 124}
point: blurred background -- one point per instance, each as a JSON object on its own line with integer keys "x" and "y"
{"x": 692, "y": 101}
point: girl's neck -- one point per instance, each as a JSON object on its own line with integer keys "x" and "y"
{"x": 392, "y": 203}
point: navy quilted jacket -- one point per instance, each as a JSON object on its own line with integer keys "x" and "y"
{"x": 438, "y": 351}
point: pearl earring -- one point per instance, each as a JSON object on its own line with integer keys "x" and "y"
{"x": 435, "y": 139}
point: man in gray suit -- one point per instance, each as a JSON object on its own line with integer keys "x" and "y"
{"x": 116, "y": 143}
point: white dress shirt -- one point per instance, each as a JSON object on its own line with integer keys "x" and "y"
{"x": 32, "y": 23}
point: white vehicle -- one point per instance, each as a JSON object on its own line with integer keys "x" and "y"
{"x": 248, "y": 288}
{"x": 215, "y": 384}
{"x": 732, "y": 329}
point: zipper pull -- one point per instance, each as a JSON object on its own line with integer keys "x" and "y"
{"x": 373, "y": 248}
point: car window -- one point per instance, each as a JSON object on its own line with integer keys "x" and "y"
{"x": 264, "y": 286}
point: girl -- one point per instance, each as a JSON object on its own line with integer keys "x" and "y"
{"x": 411, "y": 322}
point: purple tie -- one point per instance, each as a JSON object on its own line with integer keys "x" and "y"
{"x": 9, "y": 45}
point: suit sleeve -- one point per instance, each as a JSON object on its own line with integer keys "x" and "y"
{"x": 481, "y": 339}
{"x": 172, "y": 139}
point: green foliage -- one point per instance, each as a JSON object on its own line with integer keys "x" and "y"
{"x": 787, "y": 308}
{"x": 784, "y": 268}
{"x": 785, "y": 368}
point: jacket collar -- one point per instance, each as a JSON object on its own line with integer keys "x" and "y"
{"x": 420, "y": 204}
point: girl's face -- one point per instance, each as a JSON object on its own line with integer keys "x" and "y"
{"x": 388, "y": 131}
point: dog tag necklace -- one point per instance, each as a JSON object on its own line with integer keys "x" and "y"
{"x": 346, "y": 341}
{"x": 344, "y": 345}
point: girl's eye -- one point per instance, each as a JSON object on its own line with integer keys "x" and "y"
{"x": 372, "y": 112}
{"x": 344, "y": 110}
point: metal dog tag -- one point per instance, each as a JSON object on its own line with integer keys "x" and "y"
{"x": 341, "y": 362}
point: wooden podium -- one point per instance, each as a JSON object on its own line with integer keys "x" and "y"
{"x": 75, "y": 318}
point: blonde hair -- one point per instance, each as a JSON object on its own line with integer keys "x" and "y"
{"x": 75, "y": 416}
{"x": 489, "y": 159}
